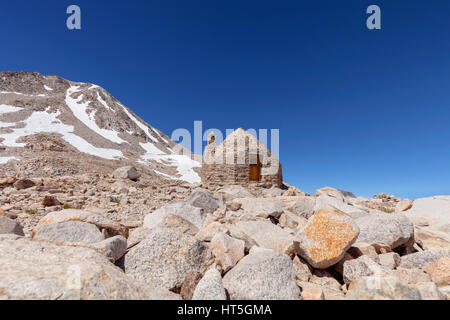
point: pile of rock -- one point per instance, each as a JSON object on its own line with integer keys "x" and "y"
{"x": 230, "y": 244}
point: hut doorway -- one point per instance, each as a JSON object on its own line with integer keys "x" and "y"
{"x": 255, "y": 168}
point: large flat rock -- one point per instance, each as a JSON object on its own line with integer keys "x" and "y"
{"x": 32, "y": 269}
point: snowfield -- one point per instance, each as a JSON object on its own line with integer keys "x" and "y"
{"x": 44, "y": 121}
{"x": 4, "y": 108}
{"x": 6, "y": 159}
{"x": 79, "y": 110}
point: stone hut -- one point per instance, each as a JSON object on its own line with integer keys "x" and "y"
{"x": 240, "y": 160}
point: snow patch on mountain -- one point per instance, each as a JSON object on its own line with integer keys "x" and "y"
{"x": 4, "y": 160}
{"x": 139, "y": 124}
{"x": 79, "y": 110}
{"x": 103, "y": 102}
{"x": 4, "y": 108}
{"x": 44, "y": 121}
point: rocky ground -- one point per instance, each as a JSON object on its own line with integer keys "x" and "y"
{"x": 120, "y": 235}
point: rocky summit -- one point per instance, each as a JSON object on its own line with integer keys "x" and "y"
{"x": 97, "y": 204}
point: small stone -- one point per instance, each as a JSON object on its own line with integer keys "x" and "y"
{"x": 260, "y": 207}
{"x": 411, "y": 276}
{"x": 210, "y": 230}
{"x": 390, "y": 260}
{"x": 24, "y": 184}
{"x": 311, "y": 293}
{"x": 360, "y": 249}
{"x": 403, "y": 205}
{"x": 429, "y": 291}
{"x": 303, "y": 272}
{"x": 324, "y": 278}
{"x": 440, "y": 272}
{"x": 189, "y": 284}
{"x": 360, "y": 267}
{"x": 188, "y": 212}
{"x": 113, "y": 248}
{"x": 381, "y": 288}
{"x": 136, "y": 236}
{"x": 182, "y": 225}
{"x": 227, "y": 250}
{"x": 50, "y": 201}
{"x": 233, "y": 205}
{"x": 210, "y": 286}
{"x": 265, "y": 234}
{"x": 9, "y": 226}
{"x": 128, "y": 172}
{"x": 201, "y": 198}
{"x": 424, "y": 258}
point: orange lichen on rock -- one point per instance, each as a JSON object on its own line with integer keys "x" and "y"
{"x": 330, "y": 235}
{"x": 326, "y": 237}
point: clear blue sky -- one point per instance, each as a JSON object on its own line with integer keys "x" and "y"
{"x": 365, "y": 111}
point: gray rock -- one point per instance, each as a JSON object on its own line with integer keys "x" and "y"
{"x": 292, "y": 221}
{"x": 182, "y": 225}
{"x": 360, "y": 267}
{"x": 186, "y": 211}
{"x": 303, "y": 272}
{"x": 265, "y": 234}
{"x": 210, "y": 286}
{"x": 137, "y": 235}
{"x": 201, "y": 198}
{"x": 382, "y": 288}
{"x": 164, "y": 258}
{"x": 302, "y": 206}
{"x": 190, "y": 282}
{"x": 69, "y": 232}
{"x": 324, "y": 202}
{"x": 312, "y": 291}
{"x": 232, "y": 192}
{"x": 24, "y": 184}
{"x": 113, "y": 248}
{"x": 429, "y": 291}
{"x": 40, "y": 270}
{"x": 127, "y": 172}
{"x": 227, "y": 250}
{"x": 210, "y": 230}
{"x": 424, "y": 258}
{"x": 335, "y": 193}
{"x": 272, "y": 192}
{"x": 390, "y": 260}
{"x": 10, "y": 226}
{"x": 360, "y": 249}
{"x": 260, "y": 207}
{"x": 262, "y": 275}
{"x": 393, "y": 230}
{"x": 324, "y": 278}
{"x": 111, "y": 227}
{"x": 411, "y": 276}
{"x": 432, "y": 217}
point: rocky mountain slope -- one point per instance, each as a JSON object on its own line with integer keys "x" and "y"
{"x": 58, "y": 127}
